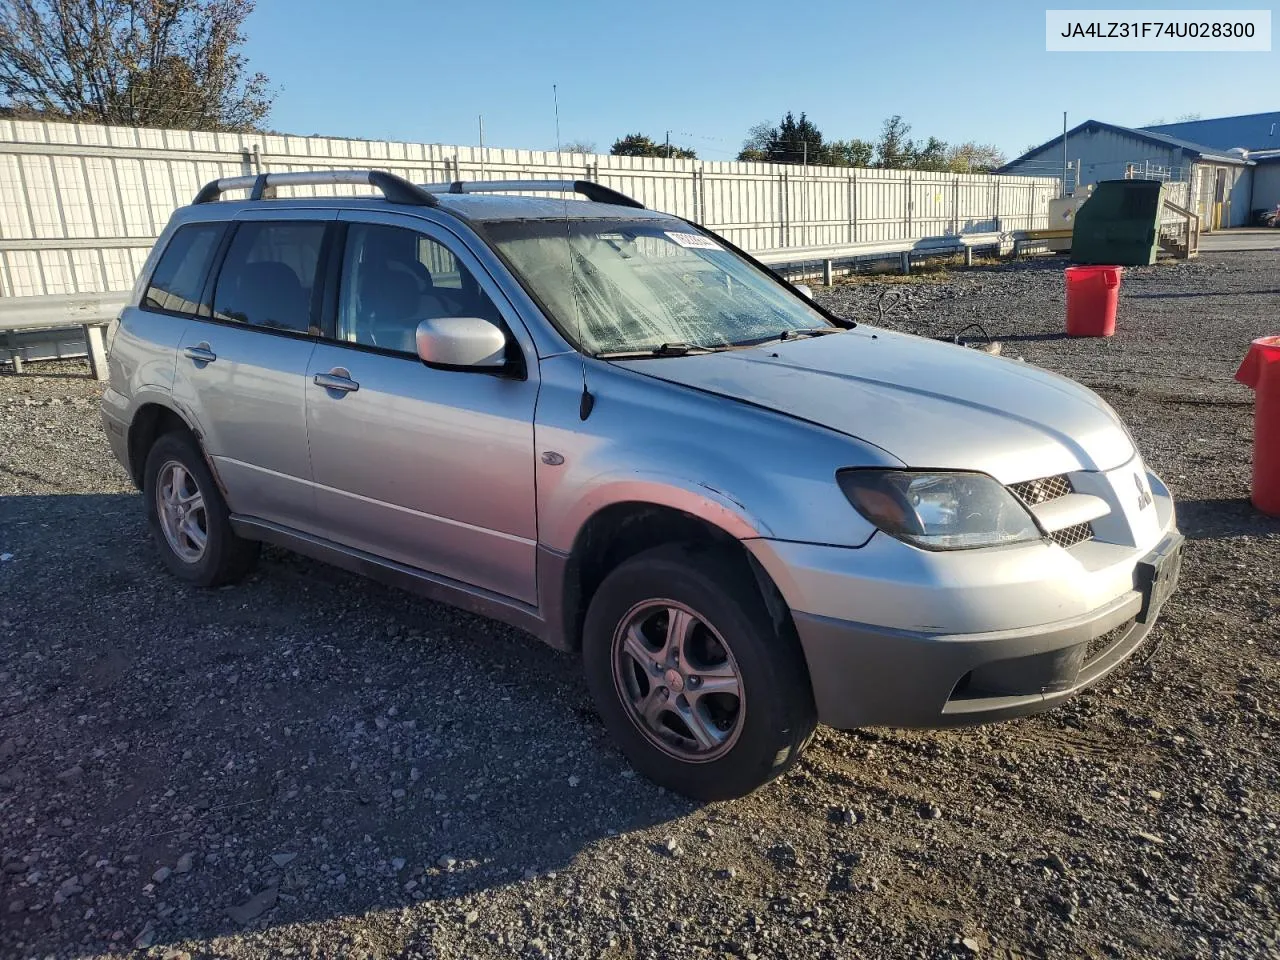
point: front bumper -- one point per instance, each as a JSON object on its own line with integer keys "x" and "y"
{"x": 969, "y": 636}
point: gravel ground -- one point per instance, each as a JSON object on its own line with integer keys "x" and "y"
{"x": 310, "y": 764}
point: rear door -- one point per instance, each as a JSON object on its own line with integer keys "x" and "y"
{"x": 144, "y": 341}
{"x": 431, "y": 468}
{"x": 241, "y": 370}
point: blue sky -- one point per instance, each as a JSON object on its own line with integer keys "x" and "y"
{"x": 707, "y": 70}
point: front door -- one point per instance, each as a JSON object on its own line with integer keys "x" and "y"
{"x": 430, "y": 468}
{"x": 241, "y": 372}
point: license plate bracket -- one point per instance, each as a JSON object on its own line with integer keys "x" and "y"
{"x": 1156, "y": 576}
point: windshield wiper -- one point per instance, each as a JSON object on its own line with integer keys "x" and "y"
{"x": 808, "y": 332}
{"x": 790, "y": 335}
{"x": 661, "y": 350}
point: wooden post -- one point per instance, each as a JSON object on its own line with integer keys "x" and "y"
{"x": 97, "y": 350}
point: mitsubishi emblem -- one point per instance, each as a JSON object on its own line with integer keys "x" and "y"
{"x": 1144, "y": 495}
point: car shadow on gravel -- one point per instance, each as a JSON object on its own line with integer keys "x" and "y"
{"x": 1205, "y": 293}
{"x": 1213, "y": 519}
{"x": 305, "y": 746}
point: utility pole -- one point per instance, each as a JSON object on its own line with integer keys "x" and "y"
{"x": 1064, "y": 153}
{"x": 555, "y": 95}
{"x": 668, "y": 144}
{"x": 481, "y": 119}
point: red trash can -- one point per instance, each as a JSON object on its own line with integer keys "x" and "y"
{"x": 1092, "y": 295}
{"x": 1261, "y": 370}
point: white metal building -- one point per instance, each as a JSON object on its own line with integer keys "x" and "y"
{"x": 1220, "y": 179}
{"x": 1258, "y": 133}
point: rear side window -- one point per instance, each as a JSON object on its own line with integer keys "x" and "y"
{"x": 269, "y": 274}
{"x": 179, "y": 277}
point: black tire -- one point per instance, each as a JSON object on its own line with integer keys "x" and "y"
{"x": 717, "y": 585}
{"x": 226, "y": 558}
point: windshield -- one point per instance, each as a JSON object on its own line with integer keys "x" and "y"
{"x": 639, "y": 285}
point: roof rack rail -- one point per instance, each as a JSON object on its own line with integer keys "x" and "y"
{"x": 394, "y": 189}
{"x": 592, "y": 191}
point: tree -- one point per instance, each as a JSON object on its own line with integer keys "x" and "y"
{"x": 894, "y": 149}
{"x": 579, "y": 146}
{"x": 759, "y": 138}
{"x": 156, "y": 63}
{"x": 971, "y": 157}
{"x": 849, "y": 153}
{"x": 931, "y": 156}
{"x": 796, "y": 141}
{"x": 639, "y": 145}
{"x": 791, "y": 141}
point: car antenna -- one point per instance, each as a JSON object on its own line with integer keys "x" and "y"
{"x": 587, "y": 402}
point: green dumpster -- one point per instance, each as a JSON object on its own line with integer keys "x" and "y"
{"x": 1119, "y": 224}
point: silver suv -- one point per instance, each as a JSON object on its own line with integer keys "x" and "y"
{"x": 611, "y": 428}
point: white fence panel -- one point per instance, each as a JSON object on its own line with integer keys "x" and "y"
{"x": 80, "y": 205}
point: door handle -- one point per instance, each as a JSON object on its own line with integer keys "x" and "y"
{"x": 200, "y": 353}
{"x": 337, "y": 379}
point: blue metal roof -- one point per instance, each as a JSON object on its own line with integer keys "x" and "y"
{"x": 1196, "y": 150}
{"x": 1254, "y": 131}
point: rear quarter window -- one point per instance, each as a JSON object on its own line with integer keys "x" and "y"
{"x": 177, "y": 284}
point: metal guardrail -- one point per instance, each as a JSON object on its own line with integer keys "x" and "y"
{"x": 829, "y": 259}
{"x": 60, "y": 310}
{"x": 90, "y": 312}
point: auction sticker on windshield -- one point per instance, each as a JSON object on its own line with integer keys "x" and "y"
{"x": 694, "y": 241}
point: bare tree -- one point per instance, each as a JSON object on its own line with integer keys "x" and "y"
{"x": 972, "y": 157}
{"x": 152, "y": 63}
{"x": 578, "y": 146}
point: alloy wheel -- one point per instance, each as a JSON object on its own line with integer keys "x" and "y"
{"x": 678, "y": 680}
{"x": 181, "y": 509}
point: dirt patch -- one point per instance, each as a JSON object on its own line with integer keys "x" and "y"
{"x": 310, "y": 764}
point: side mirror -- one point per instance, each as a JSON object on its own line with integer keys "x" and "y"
{"x": 803, "y": 289}
{"x": 461, "y": 343}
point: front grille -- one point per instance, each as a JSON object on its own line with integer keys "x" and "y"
{"x": 1032, "y": 492}
{"x": 1070, "y": 536}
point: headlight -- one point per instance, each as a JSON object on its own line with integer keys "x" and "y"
{"x": 939, "y": 511}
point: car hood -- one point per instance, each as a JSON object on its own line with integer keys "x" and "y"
{"x": 929, "y": 404}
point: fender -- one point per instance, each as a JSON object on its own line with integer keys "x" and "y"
{"x": 717, "y": 507}
{"x": 154, "y": 396}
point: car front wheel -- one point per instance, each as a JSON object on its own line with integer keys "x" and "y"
{"x": 705, "y": 695}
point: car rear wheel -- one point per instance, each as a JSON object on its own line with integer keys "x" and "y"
{"x": 700, "y": 689}
{"x": 188, "y": 517}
